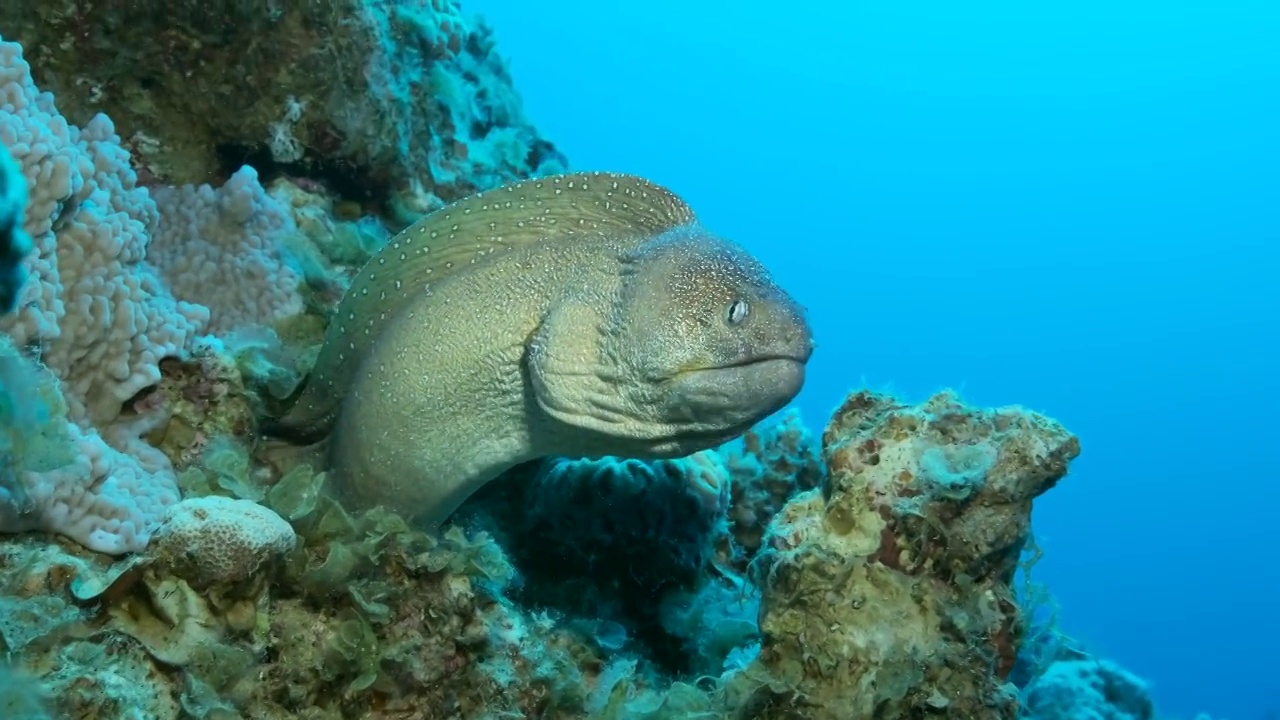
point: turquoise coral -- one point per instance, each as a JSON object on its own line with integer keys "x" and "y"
{"x": 1087, "y": 689}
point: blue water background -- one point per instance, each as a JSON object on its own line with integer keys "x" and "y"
{"x": 1074, "y": 206}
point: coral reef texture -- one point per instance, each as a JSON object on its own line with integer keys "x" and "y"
{"x": 185, "y": 192}
{"x": 889, "y": 590}
{"x": 885, "y": 591}
{"x": 406, "y": 99}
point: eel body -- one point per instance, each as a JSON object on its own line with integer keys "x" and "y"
{"x": 585, "y": 314}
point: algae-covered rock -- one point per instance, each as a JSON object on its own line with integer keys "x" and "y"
{"x": 108, "y": 676}
{"x": 204, "y": 399}
{"x": 21, "y": 696}
{"x": 883, "y": 592}
{"x": 768, "y": 465}
{"x": 888, "y": 591}
{"x": 408, "y": 97}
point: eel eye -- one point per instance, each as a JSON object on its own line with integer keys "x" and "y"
{"x": 737, "y": 312}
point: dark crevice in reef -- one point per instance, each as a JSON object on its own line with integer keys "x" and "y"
{"x": 349, "y": 181}
{"x": 591, "y": 579}
{"x": 630, "y": 603}
{"x": 541, "y": 151}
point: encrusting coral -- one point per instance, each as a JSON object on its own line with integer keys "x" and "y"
{"x": 99, "y": 313}
{"x": 183, "y": 571}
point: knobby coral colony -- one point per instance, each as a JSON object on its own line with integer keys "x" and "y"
{"x": 165, "y": 563}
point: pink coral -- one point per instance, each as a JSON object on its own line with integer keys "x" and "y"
{"x": 107, "y": 500}
{"x": 233, "y": 233}
{"x": 98, "y": 312}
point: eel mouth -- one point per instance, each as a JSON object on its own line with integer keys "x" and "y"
{"x": 759, "y": 384}
{"x": 703, "y": 406}
{"x": 757, "y": 363}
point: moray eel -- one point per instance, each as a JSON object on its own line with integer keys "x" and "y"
{"x": 585, "y": 314}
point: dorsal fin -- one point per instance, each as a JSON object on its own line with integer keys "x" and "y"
{"x": 457, "y": 237}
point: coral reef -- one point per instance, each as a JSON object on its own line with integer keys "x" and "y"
{"x": 878, "y": 594}
{"x": 1087, "y": 688}
{"x": 404, "y": 99}
{"x": 61, "y": 477}
{"x": 235, "y": 233}
{"x": 600, "y": 539}
{"x": 161, "y": 562}
{"x": 119, "y": 289}
{"x": 888, "y": 591}
{"x": 101, "y": 316}
{"x": 768, "y": 465}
